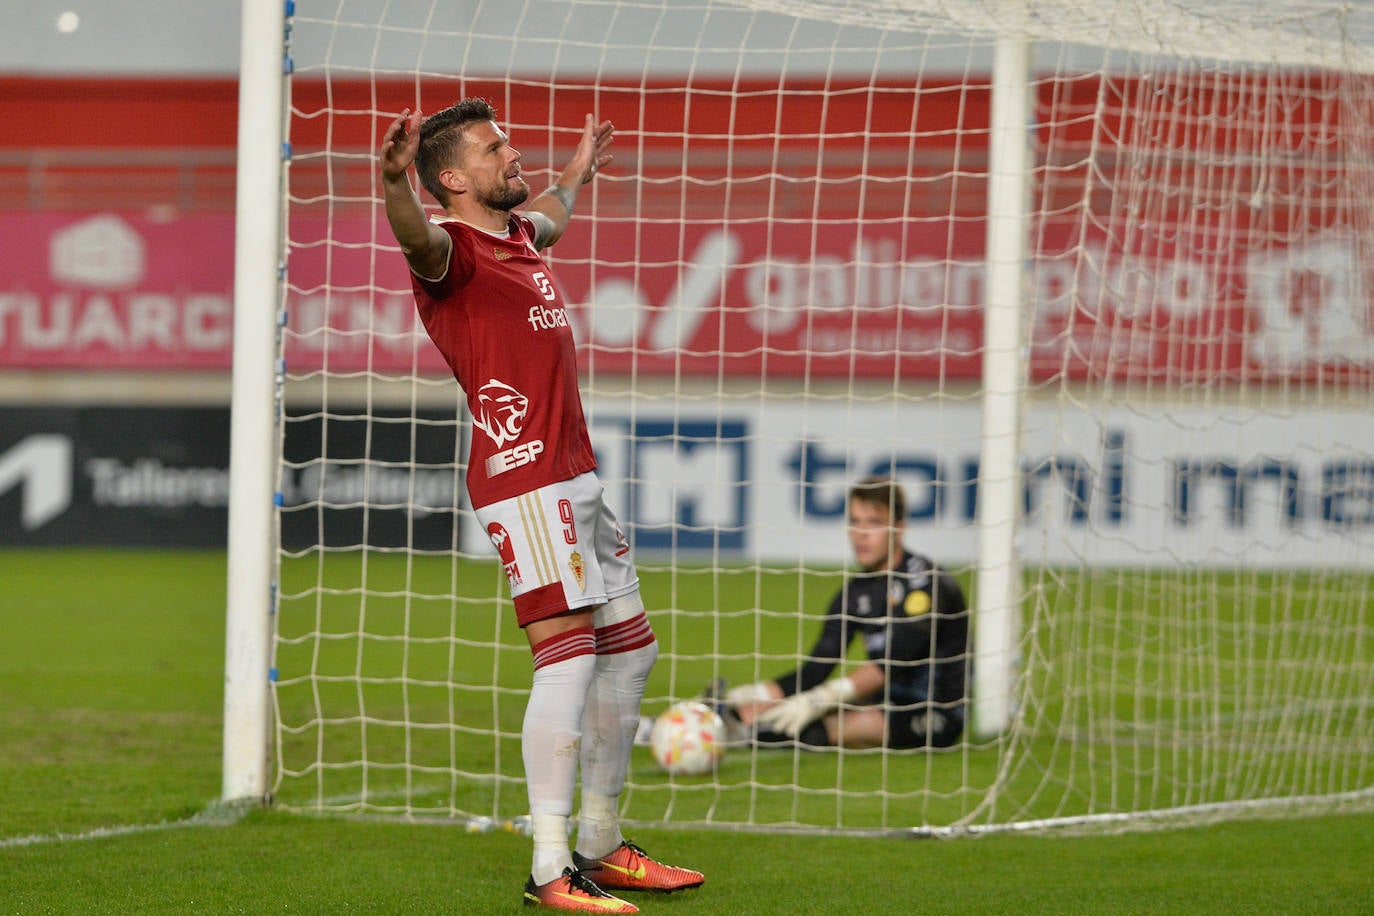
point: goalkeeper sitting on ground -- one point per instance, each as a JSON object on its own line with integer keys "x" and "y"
{"x": 913, "y": 620}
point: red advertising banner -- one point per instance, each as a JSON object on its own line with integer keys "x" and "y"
{"x": 116, "y": 291}
{"x": 1168, "y": 245}
{"x": 786, "y": 298}
{"x": 895, "y": 299}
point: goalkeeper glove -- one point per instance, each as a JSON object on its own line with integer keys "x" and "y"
{"x": 793, "y": 714}
{"x": 749, "y": 694}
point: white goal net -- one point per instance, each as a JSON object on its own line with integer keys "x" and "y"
{"x": 1092, "y": 280}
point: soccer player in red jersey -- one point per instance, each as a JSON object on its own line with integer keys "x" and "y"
{"x": 495, "y": 311}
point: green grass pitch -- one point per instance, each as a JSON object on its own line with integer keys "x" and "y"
{"x": 111, "y": 679}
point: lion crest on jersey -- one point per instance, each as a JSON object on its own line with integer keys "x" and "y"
{"x": 500, "y": 412}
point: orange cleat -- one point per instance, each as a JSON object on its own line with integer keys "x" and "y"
{"x": 574, "y": 892}
{"x": 629, "y": 868}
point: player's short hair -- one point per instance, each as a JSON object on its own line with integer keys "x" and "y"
{"x": 881, "y": 491}
{"x": 441, "y": 141}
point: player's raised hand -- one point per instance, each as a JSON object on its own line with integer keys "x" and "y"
{"x": 400, "y": 143}
{"x": 591, "y": 155}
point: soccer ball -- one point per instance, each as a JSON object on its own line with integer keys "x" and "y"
{"x": 688, "y": 739}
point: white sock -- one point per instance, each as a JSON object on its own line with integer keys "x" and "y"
{"x": 626, "y": 650}
{"x": 549, "y": 741}
{"x": 598, "y": 825}
{"x": 551, "y": 854}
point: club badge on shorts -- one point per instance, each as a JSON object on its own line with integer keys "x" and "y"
{"x": 578, "y": 571}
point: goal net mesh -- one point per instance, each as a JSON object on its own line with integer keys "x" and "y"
{"x": 777, "y": 289}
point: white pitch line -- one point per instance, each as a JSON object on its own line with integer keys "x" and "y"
{"x": 214, "y": 816}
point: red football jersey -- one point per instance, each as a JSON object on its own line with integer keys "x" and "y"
{"x": 500, "y": 322}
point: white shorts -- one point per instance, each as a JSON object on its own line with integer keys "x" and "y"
{"x": 562, "y": 548}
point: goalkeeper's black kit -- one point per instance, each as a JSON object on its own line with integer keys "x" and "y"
{"x": 913, "y": 621}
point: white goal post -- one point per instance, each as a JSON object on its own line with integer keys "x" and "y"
{"x": 1090, "y": 279}
{"x": 253, "y": 433}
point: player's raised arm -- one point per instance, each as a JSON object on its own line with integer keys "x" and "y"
{"x": 425, "y": 246}
{"x": 590, "y": 157}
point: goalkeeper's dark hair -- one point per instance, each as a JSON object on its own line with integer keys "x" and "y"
{"x": 441, "y": 141}
{"x": 881, "y": 491}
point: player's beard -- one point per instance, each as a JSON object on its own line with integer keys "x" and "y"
{"x": 508, "y": 196}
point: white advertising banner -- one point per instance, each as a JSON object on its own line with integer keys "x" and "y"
{"x": 749, "y": 480}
